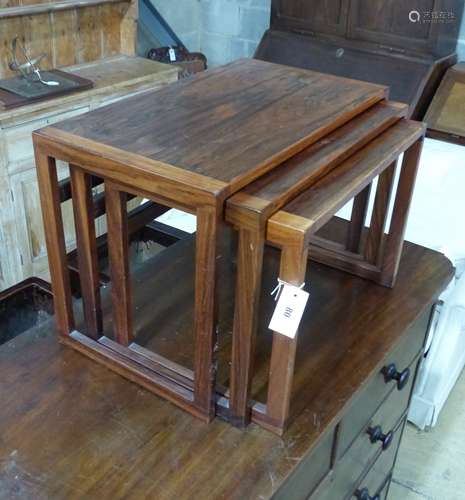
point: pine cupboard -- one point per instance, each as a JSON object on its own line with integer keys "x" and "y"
{"x": 95, "y": 40}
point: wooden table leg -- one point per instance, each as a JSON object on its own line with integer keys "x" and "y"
{"x": 292, "y": 270}
{"x": 393, "y": 248}
{"x": 83, "y": 207}
{"x": 118, "y": 246}
{"x": 247, "y": 297}
{"x": 205, "y": 322}
{"x": 357, "y": 220}
{"x": 379, "y": 216}
{"x": 55, "y": 240}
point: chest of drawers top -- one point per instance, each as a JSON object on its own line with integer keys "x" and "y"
{"x": 359, "y": 327}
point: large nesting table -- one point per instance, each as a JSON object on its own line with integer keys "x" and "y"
{"x": 189, "y": 146}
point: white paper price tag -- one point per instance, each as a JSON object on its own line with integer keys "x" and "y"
{"x": 172, "y": 54}
{"x": 289, "y": 310}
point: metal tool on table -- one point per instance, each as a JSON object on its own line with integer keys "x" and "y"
{"x": 33, "y": 83}
{"x": 29, "y": 69}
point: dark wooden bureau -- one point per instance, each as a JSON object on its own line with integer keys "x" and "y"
{"x": 69, "y": 428}
{"x": 405, "y": 45}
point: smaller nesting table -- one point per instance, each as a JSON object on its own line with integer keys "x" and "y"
{"x": 369, "y": 253}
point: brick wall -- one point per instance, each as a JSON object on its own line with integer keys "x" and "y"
{"x": 231, "y": 29}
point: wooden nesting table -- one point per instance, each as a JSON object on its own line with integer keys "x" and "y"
{"x": 261, "y": 213}
{"x": 189, "y": 146}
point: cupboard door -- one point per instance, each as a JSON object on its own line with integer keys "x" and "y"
{"x": 323, "y": 16}
{"x": 29, "y": 224}
{"x": 9, "y": 257}
{"x": 388, "y": 23}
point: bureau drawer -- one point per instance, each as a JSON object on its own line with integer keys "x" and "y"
{"x": 377, "y": 389}
{"x": 376, "y": 478}
{"x": 309, "y": 473}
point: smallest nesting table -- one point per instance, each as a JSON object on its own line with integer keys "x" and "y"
{"x": 190, "y": 146}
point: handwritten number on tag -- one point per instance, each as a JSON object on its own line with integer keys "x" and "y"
{"x": 289, "y": 310}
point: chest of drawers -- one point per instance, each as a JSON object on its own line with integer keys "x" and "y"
{"x": 346, "y": 393}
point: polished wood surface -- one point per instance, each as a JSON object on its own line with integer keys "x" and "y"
{"x": 412, "y": 78}
{"x": 72, "y": 429}
{"x": 202, "y": 116}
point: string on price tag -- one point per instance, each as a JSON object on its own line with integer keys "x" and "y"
{"x": 290, "y": 307}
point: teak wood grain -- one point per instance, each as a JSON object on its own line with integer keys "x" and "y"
{"x": 217, "y": 124}
{"x": 90, "y": 433}
{"x": 254, "y": 204}
{"x": 81, "y": 186}
{"x": 22, "y": 242}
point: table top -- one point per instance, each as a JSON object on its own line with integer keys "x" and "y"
{"x": 230, "y": 124}
{"x": 71, "y": 429}
{"x": 252, "y": 206}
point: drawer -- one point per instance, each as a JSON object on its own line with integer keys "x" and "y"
{"x": 377, "y": 389}
{"x": 376, "y": 478}
{"x": 18, "y": 139}
{"x": 363, "y": 452}
{"x": 309, "y": 473}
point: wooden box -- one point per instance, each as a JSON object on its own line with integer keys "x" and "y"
{"x": 380, "y": 41}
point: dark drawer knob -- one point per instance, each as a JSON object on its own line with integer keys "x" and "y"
{"x": 390, "y": 373}
{"x": 376, "y": 435}
{"x": 364, "y": 494}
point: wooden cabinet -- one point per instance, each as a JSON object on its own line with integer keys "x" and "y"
{"x": 371, "y": 40}
{"x": 320, "y": 15}
{"x": 23, "y": 252}
{"x": 446, "y": 115}
{"x": 388, "y": 23}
